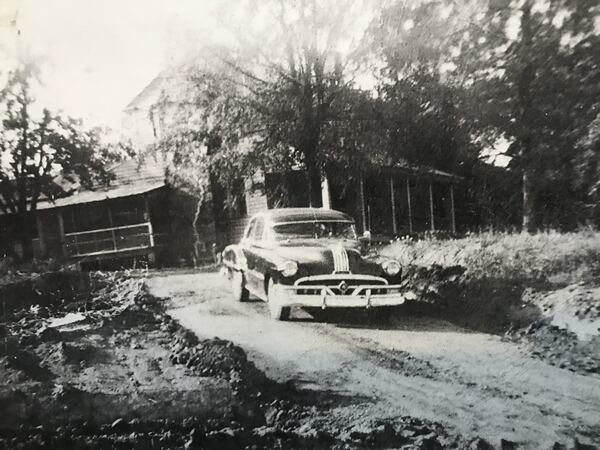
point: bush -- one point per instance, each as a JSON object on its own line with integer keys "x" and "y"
{"x": 560, "y": 258}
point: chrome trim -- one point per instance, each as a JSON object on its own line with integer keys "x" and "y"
{"x": 341, "y": 262}
{"x": 339, "y": 276}
{"x": 357, "y": 291}
{"x": 311, "y": 221}
{"x": 324, "y": 298}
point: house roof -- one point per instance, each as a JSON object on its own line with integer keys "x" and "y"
{"x": 401, "y": 166}
{"x": 130, "y": 178}
{"x": 149, "y": 95}
{"x": 425, "y": 171}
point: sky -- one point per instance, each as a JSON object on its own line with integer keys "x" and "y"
{"x": 96, "y": 55}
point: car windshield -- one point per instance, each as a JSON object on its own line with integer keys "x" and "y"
{"x": 314, "y": 229}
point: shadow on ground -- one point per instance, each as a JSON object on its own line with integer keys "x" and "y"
{"x": 414, "y": 316}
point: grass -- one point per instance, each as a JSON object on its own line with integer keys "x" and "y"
{"x": 558, "y": 258}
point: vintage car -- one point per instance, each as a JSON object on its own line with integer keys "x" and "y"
{"x": 308, "y": 257}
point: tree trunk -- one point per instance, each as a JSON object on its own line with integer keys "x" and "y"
{"x": 525, "y": 95}
{"x": 527, "y": 224}
{"x": 197, "y": 240}
{"x": 313, "y": 174}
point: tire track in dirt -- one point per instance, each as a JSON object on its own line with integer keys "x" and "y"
{"x": 472, "y": 382}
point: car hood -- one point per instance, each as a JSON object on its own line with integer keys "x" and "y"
{"x": 321, "y": 256}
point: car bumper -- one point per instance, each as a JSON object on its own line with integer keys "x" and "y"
{"x": 290, "y": 296}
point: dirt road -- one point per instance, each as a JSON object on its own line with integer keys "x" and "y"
{"x": 391, "y": 363}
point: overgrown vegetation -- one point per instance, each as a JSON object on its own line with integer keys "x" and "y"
{"x": 554, "y": 257}
{"x": 450, "y": 84}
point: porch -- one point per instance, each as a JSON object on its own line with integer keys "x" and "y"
{"x": 397, "y": 201}
{"x": 90, "y": 232}
{"x": 388, "y": 201}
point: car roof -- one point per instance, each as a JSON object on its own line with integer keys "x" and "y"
{"x": 305, "y": 214}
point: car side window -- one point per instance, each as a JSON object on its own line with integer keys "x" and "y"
{"x": 259, "y": 226}
{"x": 250, "y": 229}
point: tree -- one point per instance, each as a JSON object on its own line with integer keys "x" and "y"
{"x": 283, "y": 107}
{"x": 541, "y": 90}
{"x": 34, "y": 150}
{"x": 425, "y": 104}
{"x": 530, "y": 71}
{"x": 587, "y": 169}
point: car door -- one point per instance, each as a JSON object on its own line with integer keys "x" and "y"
{"x": 245, "y": 246}
{"x": 254, "y": 275}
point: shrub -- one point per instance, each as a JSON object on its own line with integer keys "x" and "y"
{"x": 560, "y": 258}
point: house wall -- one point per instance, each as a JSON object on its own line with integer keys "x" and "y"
{"x": 256, "y": 198}
{"x": 236, "y": 229}
{"x": 138, "y": 128}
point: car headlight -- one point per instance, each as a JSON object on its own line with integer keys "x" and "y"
{"x": 289, "y": 269}
{"x": 391, "y": 267}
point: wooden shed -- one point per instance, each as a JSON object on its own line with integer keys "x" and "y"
{"x": 106, "y": 223}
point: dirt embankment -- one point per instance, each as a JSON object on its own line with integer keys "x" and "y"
{"x": 103, "y": 366}
{"x": 552, "y": 321}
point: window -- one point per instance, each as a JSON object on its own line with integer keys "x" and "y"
{"x": 259, "y": 227}
{"x": 314, "y": 230}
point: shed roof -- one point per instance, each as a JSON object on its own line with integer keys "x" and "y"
{"x": 131, "y": 178}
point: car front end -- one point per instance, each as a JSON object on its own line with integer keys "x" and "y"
{"x": 341, "y": 290}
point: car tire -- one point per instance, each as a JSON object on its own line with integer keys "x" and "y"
{"x": 238, "y": 286}
{"x": 277, "y": 311}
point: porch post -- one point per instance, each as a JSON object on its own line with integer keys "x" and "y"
{"x": 410, "y": 219}
{"x": 431, "y": 205}
{"x": 61, "y": 229}
{"x": 363, "y": 211}
{"x": 149, "y": 218}
{"x": 112, "y": 226}
{"x": 393, "y": 200}
{"x": 325, "y": 195}
{"x": 452, "y": 213}
{"x": 41, "y": 234}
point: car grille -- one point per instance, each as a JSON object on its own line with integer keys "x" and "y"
{"x": 339, "y": 286}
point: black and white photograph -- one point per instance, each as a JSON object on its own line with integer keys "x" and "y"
{"x": 300, "y": 224}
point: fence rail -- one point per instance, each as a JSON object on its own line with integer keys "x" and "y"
{"x": 109, "y": 240}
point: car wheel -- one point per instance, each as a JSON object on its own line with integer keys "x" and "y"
{"x": 238, "y": 286}
{"x": 277, "y": 311}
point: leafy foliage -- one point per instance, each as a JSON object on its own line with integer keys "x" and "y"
{"x": 559, "y": 257}
{"x": 36, "y": 149}
{"x": 527, "y": 71}
{"x": 587, "y": 167}
{"x": 543, "y": 99}
{"x": 451, "y": 79}
{"x": 290, "y": 107}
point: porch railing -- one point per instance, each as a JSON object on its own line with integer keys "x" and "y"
{"x": 109, "y": 240}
